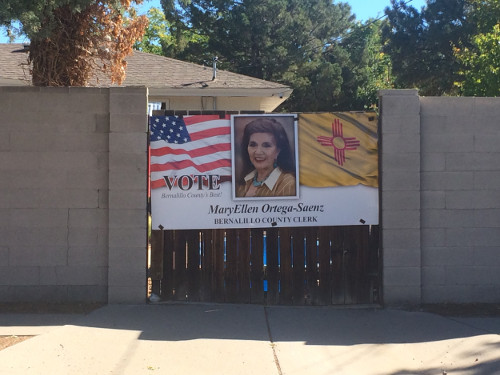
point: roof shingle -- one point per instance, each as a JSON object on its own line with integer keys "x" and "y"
{"x": 145, "y": 69}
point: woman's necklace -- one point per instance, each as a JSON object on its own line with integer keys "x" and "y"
{"x": 258, "y": 183}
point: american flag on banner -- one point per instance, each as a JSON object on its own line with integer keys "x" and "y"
{"x": 189, "y": 145}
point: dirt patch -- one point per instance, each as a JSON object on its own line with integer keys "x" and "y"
{"x": 6, "y": 341}
{"x": 41, "y": 308}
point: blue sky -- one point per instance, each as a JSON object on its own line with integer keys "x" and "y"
{"x": 363, "y": 9}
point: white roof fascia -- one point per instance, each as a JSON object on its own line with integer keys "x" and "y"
{"x": 241, "y": 92}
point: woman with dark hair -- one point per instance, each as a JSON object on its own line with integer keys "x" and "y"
{"x": 268, "y": 163}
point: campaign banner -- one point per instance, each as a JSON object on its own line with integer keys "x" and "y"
{"x": 243, "y": 171}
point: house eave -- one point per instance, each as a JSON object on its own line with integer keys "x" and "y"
{"x": 282, "y": 92}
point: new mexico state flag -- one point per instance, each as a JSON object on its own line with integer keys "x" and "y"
{"x": 338, "y": 149}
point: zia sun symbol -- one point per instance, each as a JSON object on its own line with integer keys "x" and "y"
{"x": 339, "y": 143}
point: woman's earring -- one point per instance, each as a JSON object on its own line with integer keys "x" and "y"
{"x": 275, "y": 164}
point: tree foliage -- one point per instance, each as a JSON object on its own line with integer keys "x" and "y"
{"x": 481, "y": 65}
{"x": 444, "y": 48}
{"x": 480, "y": 61}
{"x": 301, "y": 43}
{"x": 261, "y": 38}
{"x": 160, "y": 36}
{"x": 367, "y": 69}
{"x": 421, "y": 44}
{"x": 70, "y": 40}
{"x": 156, "y": 35}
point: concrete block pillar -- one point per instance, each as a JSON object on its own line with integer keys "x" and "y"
{"x": 400, "y": 196}
{"x": 127, "y": 195}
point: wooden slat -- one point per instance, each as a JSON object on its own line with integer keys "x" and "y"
{"x": 193, "y": 272}
{"x": 218, "y": 262}
{"x": 167, "y": 283}
{"x": 156, "y": 261}
{"x": 179, "y": 273}
{"x": 207, "y": 265}
{"x": 338, "y": 266}
{"x": 374, "y": 248}
{"x": 156, "y": 269}
{"x": 349, "y": 265}
{"x": 256, "y": 271}
{"x": 325, "y": 269}
{"x": 357, "y": 284}
{"x": 272, "y": 266}
{"x": 231, "y": 272}
{"x": 374, "y": 271}
{"x": 312, "y": 276}
{"x": 286, "y": 275}
{"x": 244, "y": 294}
{"x": 298, "y": 249}
{"x": 362, "y": 281}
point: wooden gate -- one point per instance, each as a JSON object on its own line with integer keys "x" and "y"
{"x": 287, "y": 266}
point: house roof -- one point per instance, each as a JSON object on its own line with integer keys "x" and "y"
{"x": 162, "y": 75}
{"x": 13, "y": 65}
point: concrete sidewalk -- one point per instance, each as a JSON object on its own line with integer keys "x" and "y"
{"x": 250, "y": 339}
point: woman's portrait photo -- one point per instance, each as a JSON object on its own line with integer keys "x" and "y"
{"x": 264, "y": 156}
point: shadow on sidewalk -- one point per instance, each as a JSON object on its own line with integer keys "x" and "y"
{"x": 312, "y": 325}
{"x": 314, "y": 334}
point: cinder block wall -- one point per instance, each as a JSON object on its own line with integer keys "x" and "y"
{"x": 73, "y": 168}
{"x": 127, "y": 195}
{"x": 440, "y": 198}
{"x": 460, "y": 199}
{"x": 400, "y": 196}
{"x": 65, "y": 193}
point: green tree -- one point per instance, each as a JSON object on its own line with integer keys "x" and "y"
{"x": 71, "y": 39}
{"x": 261, "y": 38}
{"x": 348, "y": 75}
{"x": 480, "y": 73}
{"x": 189, "y": 40}
{"x": 485, "y": 14}
{"x": 287, "y": 41}
{"x": 156, "y": 35}
{"x": 480, "y": 60}
{"x": 450, "y": 47}
{"x": 367, "y": 69}
{"x": 159, "y": 39}
{"x": 420, "y": 44}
